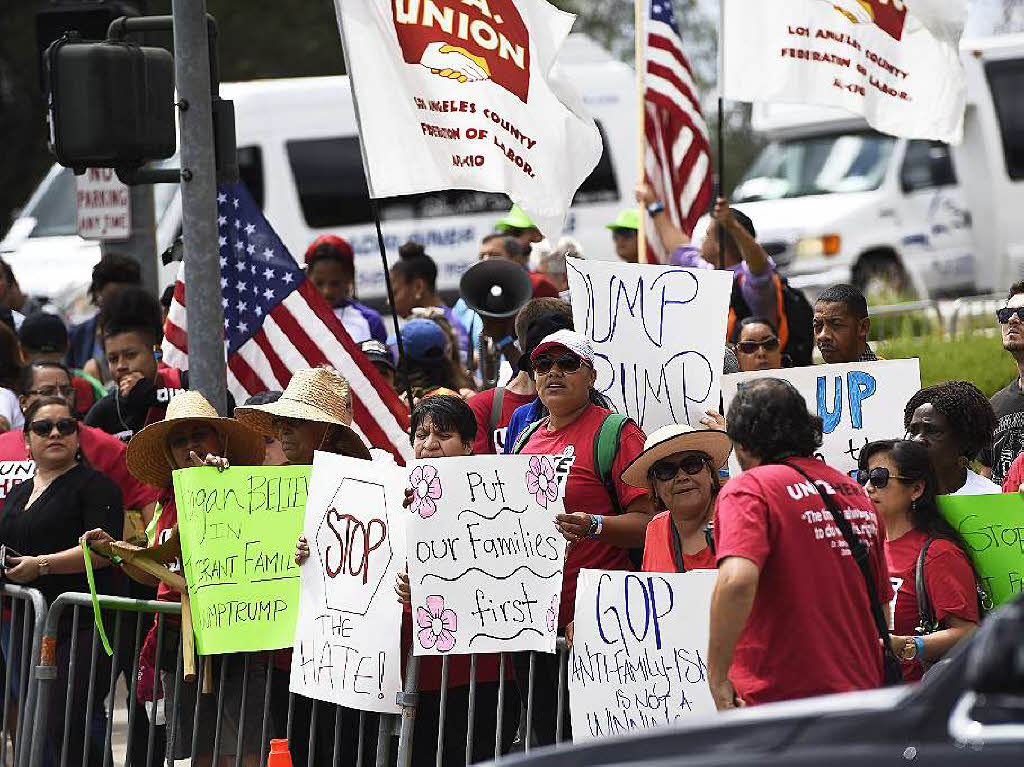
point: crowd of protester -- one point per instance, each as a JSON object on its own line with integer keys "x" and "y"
{"x": 106, "y": 422}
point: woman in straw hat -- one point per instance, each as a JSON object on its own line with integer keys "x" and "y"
{"x": 314, "y": 413}
{"x": 191, "y": 434}
{"x": 679, "y": 469}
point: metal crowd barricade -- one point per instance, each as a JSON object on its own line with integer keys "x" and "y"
{"x": 24, "y": 614}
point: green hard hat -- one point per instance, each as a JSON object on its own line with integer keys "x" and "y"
{"x": 628, "y": 219}
{"x": 515, "y": 219}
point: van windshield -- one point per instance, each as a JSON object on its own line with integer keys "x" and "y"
{"x": 849, "y": 162}
{"x": 54, "y": 209}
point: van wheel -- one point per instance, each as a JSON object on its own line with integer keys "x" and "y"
{"x": 881, "y": 279}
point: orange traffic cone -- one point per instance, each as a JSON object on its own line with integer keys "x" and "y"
{"x": 279, "y": 754}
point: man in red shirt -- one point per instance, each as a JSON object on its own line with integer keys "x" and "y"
{"x": 104, "y": 452}
{"x": 790, "y": 616}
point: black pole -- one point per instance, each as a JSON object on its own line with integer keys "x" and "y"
{"x": 720, "y": 183}
{"x": 403, "y": 363}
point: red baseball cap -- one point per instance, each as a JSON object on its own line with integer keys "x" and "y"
{"x": 339, "y": 245}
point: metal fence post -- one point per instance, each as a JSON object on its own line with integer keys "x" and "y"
{"x": 407, "y": 700}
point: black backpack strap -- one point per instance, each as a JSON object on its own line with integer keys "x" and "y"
{"x": 496, "y": 405}
{"x": 925, "y": 612}
{"x": 891, "y": 670}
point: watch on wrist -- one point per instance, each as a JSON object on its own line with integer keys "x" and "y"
{"x": 655, "y": 208}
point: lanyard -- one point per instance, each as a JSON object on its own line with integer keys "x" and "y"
{"x": 677, "y": 545}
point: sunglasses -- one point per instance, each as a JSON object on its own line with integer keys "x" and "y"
{"x": 665, "y": 470}
{"x": 751, "y": 347}
{"x": 878, "y": 476}
{"x": 567, "y": 363}
{"x": 1004, "y": 315}
{"x": 44, "y": 427}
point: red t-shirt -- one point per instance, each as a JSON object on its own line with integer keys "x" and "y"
{"x": 104, "y": 452}
{"x": 542, "y": 286}
{"x": 948, "y": 577}
{"x": 810, "y": 631}
{"x": 481, "y": 406}
{"x": 585, "y": 492}
{"x": 1015, "y": 476}
{"x": 164, "y": 527}
{"x": 658, "y": 550}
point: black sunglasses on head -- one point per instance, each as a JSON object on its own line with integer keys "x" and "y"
{"x": 1004, "y": 315}
{"x": 751, "y": 347}
{"x": 879, "y": 476}
{"x": 665, "y": 469}
{"x": 44, "y": 427}
{"x": 567, "y": 363}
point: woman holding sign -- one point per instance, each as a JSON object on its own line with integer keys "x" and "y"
{"x": 679, "y": 468}
{"x": 191, "y": 434}
{"x": 924, "y": 555}
{"x": 42, "y": 521}
{"x": 604, "y": 517}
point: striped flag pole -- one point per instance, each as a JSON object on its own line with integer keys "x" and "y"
{"x": 640, "y": 62}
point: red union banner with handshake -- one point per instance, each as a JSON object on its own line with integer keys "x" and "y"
{"x": 459, "y": 94}
{"x": 895, "y": 62}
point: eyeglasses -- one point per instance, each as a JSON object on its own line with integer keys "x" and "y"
{"x": 751, "y": 347}
{"x": 44, "y": 427}
{"x": 879, "y": 476}
{"x": 52, "y": 391}
{"x": 665, "y": 470}
{"x": 1004, "y": 315}
{"x": 567, "y": 363}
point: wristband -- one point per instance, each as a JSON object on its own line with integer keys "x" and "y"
{"x": 596, "y": 526}
{"x": 505, "y": 342}
{"x": 919, "y": 643}
{"x": 655, "y": 208}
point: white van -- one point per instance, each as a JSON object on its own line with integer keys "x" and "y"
{"x": 298, "y": 152}
{"x": 834, "y": 201}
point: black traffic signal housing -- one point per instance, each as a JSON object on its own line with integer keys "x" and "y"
{"x": 110, "y": 103}
{"x": 89, "y": 18}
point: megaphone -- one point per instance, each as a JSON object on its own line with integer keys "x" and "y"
{"x": 495, "y": 288}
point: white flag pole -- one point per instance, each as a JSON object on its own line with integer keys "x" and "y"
{"x": 640, "y": 61}
{"x": 720, "y": 184}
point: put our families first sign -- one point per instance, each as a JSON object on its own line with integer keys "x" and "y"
{"x": 859, "y": 403}
{"x": 485, "y": 559}
{"x": 992, "y": 528}
{"x": 638, "y": 656}
{"x": 348, "y": 637}
{"x": 238, "y": 531}
{"x": 659, "y": 336}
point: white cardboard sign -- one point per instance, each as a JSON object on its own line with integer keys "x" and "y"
{"x": 13, "y": 473}
{"x": 639, "y": 651}
{"x": 348, "y": 636}
{"x": 485, "y": 559}
{"x": 104, "y": 205}
{"x": 659, "y": 336}
{"x": 859, "y": 402}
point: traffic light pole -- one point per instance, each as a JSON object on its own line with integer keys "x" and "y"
{"x": 207, "y": 366}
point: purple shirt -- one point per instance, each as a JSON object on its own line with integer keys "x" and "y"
{"x": 758, "y": 290}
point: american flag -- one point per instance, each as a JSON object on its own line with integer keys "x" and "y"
{"x": 678, "y": 160}
{"x": 275, "y": 322}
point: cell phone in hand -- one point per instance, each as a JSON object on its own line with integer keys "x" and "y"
{"x": 5, "y": 553}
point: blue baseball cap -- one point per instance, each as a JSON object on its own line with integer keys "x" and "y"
{"x": 424, "y": 341}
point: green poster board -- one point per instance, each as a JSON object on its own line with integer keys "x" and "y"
{"x": 992, "y": 527}
{"x": 238, "y": 532}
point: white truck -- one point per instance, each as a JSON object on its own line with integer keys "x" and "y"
{"x": 834, "y": 201}
{"x": 298, "y": 152}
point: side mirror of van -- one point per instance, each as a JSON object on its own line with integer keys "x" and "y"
{"x": 995, "y": 664}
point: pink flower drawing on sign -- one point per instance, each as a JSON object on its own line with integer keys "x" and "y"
{"x": 426, "y": 488}
{"x": 437, "y": 625}
{"x": 541, "y": 482}
{"x": 553, "y": 614}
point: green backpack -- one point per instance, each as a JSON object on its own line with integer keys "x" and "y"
{"x": 606, "y": 447}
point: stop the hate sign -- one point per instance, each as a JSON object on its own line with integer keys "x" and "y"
{"x": 104, "y": 206}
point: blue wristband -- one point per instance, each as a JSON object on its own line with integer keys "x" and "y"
{"x": 919, "y": 642}
{"x": 505, "y": 342}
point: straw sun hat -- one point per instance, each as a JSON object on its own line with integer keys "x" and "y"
{"x": 148, "y": 457}
{"x": 313, "y": 394}
{"x": 677, "y": 438}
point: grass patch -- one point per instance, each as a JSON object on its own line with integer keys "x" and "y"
{"x": 977, "y": 358}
